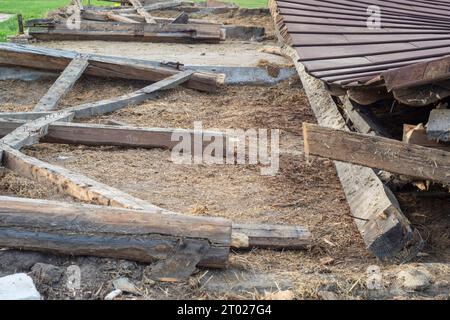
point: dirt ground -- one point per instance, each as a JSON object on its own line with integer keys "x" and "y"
{"x": 306, "y": 193}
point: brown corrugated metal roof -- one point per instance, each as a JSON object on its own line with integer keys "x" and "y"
{"x": 334, "y": 43}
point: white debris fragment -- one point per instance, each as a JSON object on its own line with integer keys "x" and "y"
{"x": 18, "y": 286}
{"x": 113, "y": 294}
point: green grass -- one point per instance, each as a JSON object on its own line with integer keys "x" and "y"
{"x": 33, "y": 9}
{"x": 30, "y": 9}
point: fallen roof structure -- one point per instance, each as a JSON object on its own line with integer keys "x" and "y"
{"x": 342, "y": 43}
{"x": 152, "y": 233}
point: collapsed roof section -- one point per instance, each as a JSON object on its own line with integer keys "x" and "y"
{"x": 340, "y": 42}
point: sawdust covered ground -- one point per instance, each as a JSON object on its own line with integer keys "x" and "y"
{"x": 302, "y": 193}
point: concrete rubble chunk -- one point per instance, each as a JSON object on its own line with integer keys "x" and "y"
{"x": 414, "y": 280}
{"x": 125, "y": 285}
{"x": 47, "y": 273}
{"x": 18, "y": 286}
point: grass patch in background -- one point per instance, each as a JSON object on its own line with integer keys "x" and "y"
{"x": 34, "y": 9}
{"x": 31, "y": 9}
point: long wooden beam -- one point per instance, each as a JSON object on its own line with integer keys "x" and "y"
{"x": 113, "y": 135}
{"x": 139, "y": 235}
{"x": 377, "y": 152}
{"x": 142, "y": 11}
{"x": 110, "y": 105}
{"x": 117, "y": 31}
{"x": 387, "y": 233}
{"x": 101, "y": 66}
{"x": 63, "y": 84}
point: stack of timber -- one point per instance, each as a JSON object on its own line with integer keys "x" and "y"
{"x": 136, "y": 23}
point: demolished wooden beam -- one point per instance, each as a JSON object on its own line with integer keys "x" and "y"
{"x": 115, "y": 17}
{"x": 438, "y": 126}
{"x": 270, "y": 236}
{"x": 142, "y": 11}
{"x": 387, "y": 233}
{"x": 114, "y": 135}
{"x": 377, "y": 152}
{"x": 62, "y": 85}
{"x": 118, "y": 31}
{"x": 362, "y": 120}
{"x": 417, "y": 134}
{"x": 101, "y": 66}
{"x": 138, "y": 235}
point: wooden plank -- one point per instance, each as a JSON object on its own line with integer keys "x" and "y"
{"x": 137, "y": 235}
{"x": 417, "y": 134}
{"x": 94, "y": 30}
{"x": 387, "y": 233}
{"x": 30, "y": 132}
{"x": 142, "y": 11}
{"x": 272, "y": 236}
{"x": 438, "y": 126}
{"x": 119, "y": 18}
{"x": 114, "y": 135}
{"x": 181, "y": 18}
{"x": 71, "y": 183}
{"x": 101, "y": 66}
{"x": 23, "y": 115}
{"x": 110, "y": 105}
{"x": 377, "y": 152}
{"x": 63, "y": 84}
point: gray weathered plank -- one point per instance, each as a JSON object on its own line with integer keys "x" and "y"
{"x": 63, "y": 84}
{"x": 377, "y": 152}
{"x": 30, "y": 132}
{"x": 438, "y": 126}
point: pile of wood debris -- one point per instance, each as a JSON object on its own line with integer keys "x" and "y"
{"x": 133, "y": 21}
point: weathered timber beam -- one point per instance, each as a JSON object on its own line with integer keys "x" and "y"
{"x": 377, "y": 152}
{"x": 101, "y": 66}
{"x": 270, "y": 236}
{"x": 362, "y": 121}
{"x": 78, "y": 4}
{"x": 30, "y": 132}
{"x": 110, "y": 105}
{"x": 138, "y": 235}
{"x": 417, "y": 134}
{"x": 142, "y": 11}
{"x": 104, "y": 16}
{"x": 119, "y": 18}
{"x": 71, "y": 183}
{"x": 387, "y": 233}
{"x": 91, "y": 191}
{"x": 63, "y": 84}
{"x": 114, "y": 135}
{"x": 144, "y": 32}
